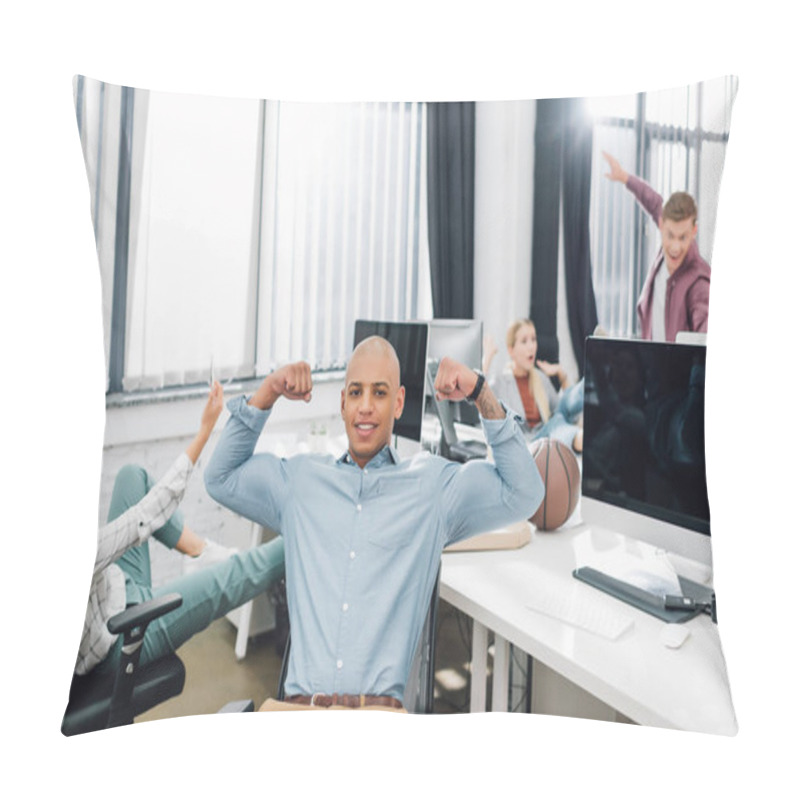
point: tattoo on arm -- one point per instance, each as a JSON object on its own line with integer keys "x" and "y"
{"x": 487, "y": 404}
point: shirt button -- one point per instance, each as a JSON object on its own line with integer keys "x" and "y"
{"x": 345, "y": 607}
{"x": 352, "y": 554}
{"x": 339, "y": 664}
{"x": 358, "y": 507}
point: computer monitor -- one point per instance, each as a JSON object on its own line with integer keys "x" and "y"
{"x": 644, "y": 468}
{"x": 410, "y": 341}
{"x": 462, "y": 340}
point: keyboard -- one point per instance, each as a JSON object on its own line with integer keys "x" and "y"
{"x": 573, "y": 608}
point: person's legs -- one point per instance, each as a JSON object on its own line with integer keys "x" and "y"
{"x": 211, "y": 593}
{"x": 130, "y": 486}
{"x": 570, "y": 406}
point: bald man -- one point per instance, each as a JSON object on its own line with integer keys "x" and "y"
{"x": 363, "y": 533}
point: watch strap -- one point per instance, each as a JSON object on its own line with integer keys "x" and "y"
{"x": 473, "y": 395}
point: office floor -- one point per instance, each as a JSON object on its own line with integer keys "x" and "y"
{"x": 214, "y": 676}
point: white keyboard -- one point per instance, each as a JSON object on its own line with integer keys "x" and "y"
{"x": 571, "y": 606}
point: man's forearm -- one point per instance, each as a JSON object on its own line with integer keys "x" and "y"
{"x": 488, "y": 405}
{"x": 264, "y": 397}
{"x": 647, "y": 196}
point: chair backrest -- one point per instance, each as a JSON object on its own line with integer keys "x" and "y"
{"x": 418, "y": 697}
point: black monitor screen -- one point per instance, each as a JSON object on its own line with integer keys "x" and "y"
{"x": 410, "y": 341}
{"x": 462, "y": 340}
{"x": 644, "y": 433}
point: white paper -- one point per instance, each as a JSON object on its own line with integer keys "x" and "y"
{"x": 639, "y": 565}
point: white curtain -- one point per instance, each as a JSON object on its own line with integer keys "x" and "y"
{"x": 259, "y": 231}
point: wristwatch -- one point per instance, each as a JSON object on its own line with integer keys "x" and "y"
{"x": 473, "y": 395}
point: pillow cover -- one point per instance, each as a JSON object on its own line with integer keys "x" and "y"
{"x": 237, "y": 235}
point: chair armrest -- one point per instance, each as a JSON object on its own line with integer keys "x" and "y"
{"x": 142, "y": 614}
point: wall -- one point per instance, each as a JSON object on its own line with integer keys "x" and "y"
{"x": 152, "y": 434}
{"x": 503, "y": 216}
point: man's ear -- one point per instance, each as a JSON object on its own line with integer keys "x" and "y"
{"x": 342, "y": 409}
{"x": 400, "y": 402}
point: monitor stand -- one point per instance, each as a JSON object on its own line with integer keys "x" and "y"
{"x": 463, "y": 451}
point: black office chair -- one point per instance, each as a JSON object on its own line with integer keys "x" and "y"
{"x": 106, "y": 701}
{"x": 418, "y": 697}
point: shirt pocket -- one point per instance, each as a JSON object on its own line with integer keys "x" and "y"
{"x": 395, "y": 522}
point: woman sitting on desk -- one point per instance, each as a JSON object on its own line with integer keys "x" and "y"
{"x": 525, "y": 387}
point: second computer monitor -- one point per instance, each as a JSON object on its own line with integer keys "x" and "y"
{"x": 462, "y": 340}
{"x": 409, "y": 340}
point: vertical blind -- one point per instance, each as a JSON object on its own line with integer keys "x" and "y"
{"x": 673, "y": 139}
{"x": 259, "y": 230}
{"x": 342, "y": 226}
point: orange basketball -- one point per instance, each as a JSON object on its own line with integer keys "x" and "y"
{"x": 562, "y": 483}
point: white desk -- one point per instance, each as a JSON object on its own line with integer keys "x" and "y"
{"x": 635, "y": 674}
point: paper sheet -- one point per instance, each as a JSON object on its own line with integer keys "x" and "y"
{"x": 640, "y": 565}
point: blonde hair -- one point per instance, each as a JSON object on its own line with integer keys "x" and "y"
{"x": 534, "y": 378}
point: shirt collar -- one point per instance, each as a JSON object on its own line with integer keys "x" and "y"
{"x": 388, "y": 455}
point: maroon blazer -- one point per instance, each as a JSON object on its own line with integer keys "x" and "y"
{"x": 686, "y": 307}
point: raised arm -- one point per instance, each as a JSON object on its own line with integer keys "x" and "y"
{"x": 292, "y": 381}
{"x": 208, "y": 419}
{"x": 454, "y": 381}
{"x": 554, "y": 371}
{"x": 481, "y": 496}
{"x": 489, "y": 352}
{"x": 650, "y": 200}
{"x": 255, "y": 486}
{"x": 160, "y": 503}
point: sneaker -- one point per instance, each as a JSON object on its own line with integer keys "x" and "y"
{"x": 213, "y": 553}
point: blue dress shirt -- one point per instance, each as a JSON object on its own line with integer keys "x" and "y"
{"x": 363, "y": 545}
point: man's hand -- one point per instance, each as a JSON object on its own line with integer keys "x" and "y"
{"x": 292, "y": 381}
{"x": 616, "y": 173}
{"x": 454, "y": 381}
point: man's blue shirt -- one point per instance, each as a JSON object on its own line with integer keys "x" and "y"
{"x": 363, "y": 545}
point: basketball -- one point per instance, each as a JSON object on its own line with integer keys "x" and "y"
{"x": 561, "y": 474}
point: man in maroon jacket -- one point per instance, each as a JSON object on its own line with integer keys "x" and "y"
{"x": 675, "y": 294}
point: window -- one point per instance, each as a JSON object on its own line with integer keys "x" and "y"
{"x": 258, "y": 231}
{"x": 673, "y": 139}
